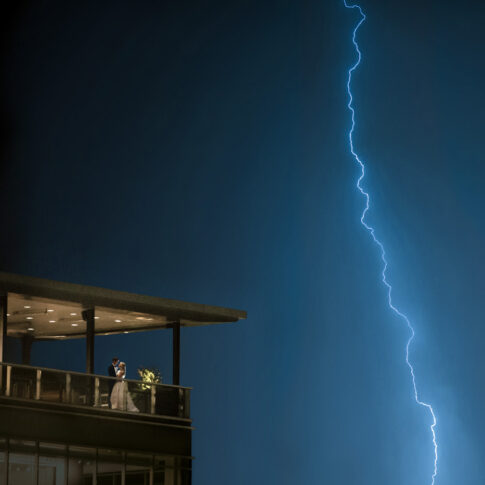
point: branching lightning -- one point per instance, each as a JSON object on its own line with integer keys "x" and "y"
{"x": 371, "y": 231}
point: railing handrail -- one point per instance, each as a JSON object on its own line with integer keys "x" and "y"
{"x": 84, "y": 374}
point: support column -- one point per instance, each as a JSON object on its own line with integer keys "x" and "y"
{"x": 88, "y": 317}
{"x": 3, "y": 325}
{"x": 27, "y": 341}
{"x": 3, "y": 336}
{"x": 176, "y": 354}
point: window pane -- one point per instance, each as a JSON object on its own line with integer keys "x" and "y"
{"x": 81, "y": 471}
{"x": 21, "y": 469}
{"x": 110, "y": 464}
{"x": 3, "y": 468}
{"x": 137, "y": 475}
{"x": 52, "y": 470}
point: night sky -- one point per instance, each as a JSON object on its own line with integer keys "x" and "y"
{"x": 198, "y": 151}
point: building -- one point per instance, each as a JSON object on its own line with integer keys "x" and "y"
{"x": 56, "y": 427}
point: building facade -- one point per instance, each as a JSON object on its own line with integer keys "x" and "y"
{"x": 57, "y": 427}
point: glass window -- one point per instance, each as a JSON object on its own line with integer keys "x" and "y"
{"x": 3, "y": 467}
{"x": 138, "y": 467}
{"x": 159, "y": 470}
{"x": 110, "y": 466}
{"x": 21, "y": 469}
{"x": 137, "y": 475}
{"x": 52, "y": 470}
{"x": 81, "y": 471}
{"x": 81, "y": 465}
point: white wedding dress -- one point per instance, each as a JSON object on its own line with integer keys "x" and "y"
{"x": 120, "y": 397}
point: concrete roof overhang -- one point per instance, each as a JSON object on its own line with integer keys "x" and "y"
{"x": 47, "y": 309}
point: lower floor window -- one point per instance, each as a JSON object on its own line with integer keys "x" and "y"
{"x": 38, "y": 463}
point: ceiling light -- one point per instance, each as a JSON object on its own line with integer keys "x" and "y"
{"x": 26, "y": 306}
{"x": 50, "y": 310}
{"x": 96, "y": 318}
{"x": 73, "y": 314}
{"x": 126, "y": 331}
{"x": 8, "y": 314}
{"x": 29, "y": 318}
{"x": 118, "y": 321}
{"x": 52, "y": 321}
{"x": 30, "y": 329}
{"x": 75, "y": 324}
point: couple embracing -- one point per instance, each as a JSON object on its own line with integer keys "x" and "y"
{"x": 119, "y": 397}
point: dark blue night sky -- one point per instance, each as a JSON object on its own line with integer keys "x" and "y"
{"x": 198, "y": 151}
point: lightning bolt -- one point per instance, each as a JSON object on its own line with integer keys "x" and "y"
{"x": 382, "y": 251}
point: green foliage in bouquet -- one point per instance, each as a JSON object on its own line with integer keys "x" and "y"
{"x": 149, "y": 376}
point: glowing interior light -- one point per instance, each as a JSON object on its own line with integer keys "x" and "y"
{"x": 73, "y": 314}
{"x": 118, "y": 321}
{"x": 75, "y": 324}
{"x": 29, "y": 318}
{"x": 30, "y": 329}
{"x": 50, "y": 310}
{"x": 27, "y": 306}
{"x": 52, "y": 321}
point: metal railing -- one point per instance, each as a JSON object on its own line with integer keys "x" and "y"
{"x": 103, "y": 392}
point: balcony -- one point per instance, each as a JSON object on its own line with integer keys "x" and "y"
{"x": 81, "y": 391}
{"x": 73, "y": 408}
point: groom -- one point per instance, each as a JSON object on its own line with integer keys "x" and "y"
{"x": 112, "y": 370}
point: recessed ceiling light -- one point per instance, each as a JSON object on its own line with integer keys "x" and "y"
{"x": 75, "y": 324}
{"x": 30, "y": 329}
{"x": 50, "y": 310}
{"x": 73, "y": 314}
{"x": 26, "y": 306}
{"x": 118, "y": 321}
{"x": 52, "y": 321}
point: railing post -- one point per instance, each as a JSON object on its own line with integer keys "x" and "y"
{"x": 96, "y": 391}
{"x": 153, "y": 398}
{"x": 176, "y": 353}
{"x": 3, "y": 325}
{"x": 67, "y": 397}
{"x": 187, "y": 403}
{"x": 37, "y": 384}
{"x": 9, "y": 380}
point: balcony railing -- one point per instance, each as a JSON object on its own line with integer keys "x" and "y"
{"x": 75, "y": 388}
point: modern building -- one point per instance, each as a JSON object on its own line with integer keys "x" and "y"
{"x": 56, "y": 426}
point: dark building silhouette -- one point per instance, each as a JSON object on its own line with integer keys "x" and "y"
{"x": 57, "y": 427}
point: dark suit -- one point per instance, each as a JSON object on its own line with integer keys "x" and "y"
{"x": 112, "y": 382}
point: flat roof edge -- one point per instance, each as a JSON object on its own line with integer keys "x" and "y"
{"x": 92, "y": 296}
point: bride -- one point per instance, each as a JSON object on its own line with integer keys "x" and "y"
{"x": 120, "y": 397}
